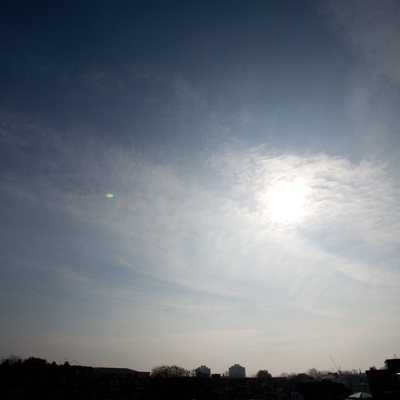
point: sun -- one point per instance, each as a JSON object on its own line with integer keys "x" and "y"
{"x": 286, "y": 201}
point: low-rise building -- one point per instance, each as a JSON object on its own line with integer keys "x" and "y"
{"x": 385, "y": 383}
{"x": 322, "y": 390}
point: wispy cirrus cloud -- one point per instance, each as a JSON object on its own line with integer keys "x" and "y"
{"x": 371, "y": 29}
{"x": 207, "y": 228}
{"x": 189, "y": 245}
{"x": 198, "y": 199}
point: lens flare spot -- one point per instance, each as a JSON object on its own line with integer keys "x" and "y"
{"x": 111, "y": 196}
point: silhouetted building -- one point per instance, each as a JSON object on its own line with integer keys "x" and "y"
{"x": 323, "y": 390}
{"x": 303, "y": 378}
{"x": 385, "y": 383}
{"x": 203, "y": 371}
{"x": 242, "y": 388}
{"x": 237, "y": 371}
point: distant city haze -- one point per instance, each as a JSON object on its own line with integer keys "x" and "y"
{"x": 200, "y": 183}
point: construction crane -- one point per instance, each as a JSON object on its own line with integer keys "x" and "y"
{"x": 337, "y": 368}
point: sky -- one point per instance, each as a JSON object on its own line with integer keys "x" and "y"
{"x": 200, "y": 183}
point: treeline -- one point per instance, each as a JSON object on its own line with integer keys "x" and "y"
{"x": 36, "y": 378}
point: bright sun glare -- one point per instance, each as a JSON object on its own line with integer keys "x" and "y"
{"x": 286, "y": 202}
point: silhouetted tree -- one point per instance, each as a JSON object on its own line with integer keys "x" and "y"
{"x": 263, "y": 374}
{"x": 288, "y": 376}
{"x": 35, "y": 363}
{"x": 177, "y": 383}
{"x": 12, "y": 359}
{"x": 317, "y": 375}
{"x": 173, "y": 371}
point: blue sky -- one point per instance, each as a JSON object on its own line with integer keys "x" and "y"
{"x": 252, "y": 152}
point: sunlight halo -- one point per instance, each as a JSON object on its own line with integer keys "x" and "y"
{"x": 286, "y": 201}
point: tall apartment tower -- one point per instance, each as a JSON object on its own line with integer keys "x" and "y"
{"x": 237, "y": 371}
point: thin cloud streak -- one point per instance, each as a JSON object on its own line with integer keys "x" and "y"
{"x": 370, "y": 29}
{"x": 373, "y": 27}
{"x": 193, "y": 230}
